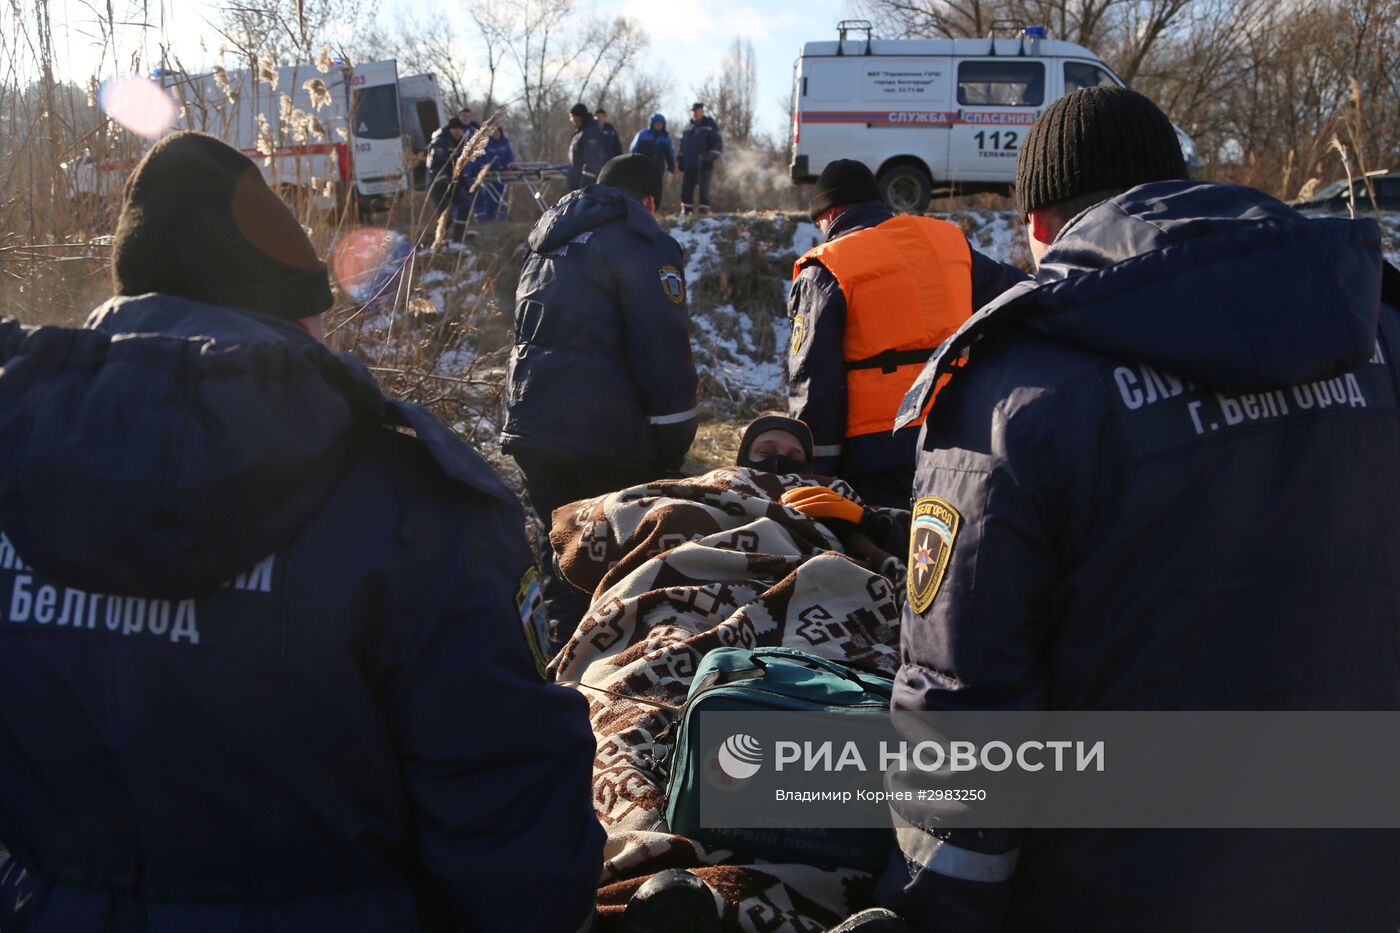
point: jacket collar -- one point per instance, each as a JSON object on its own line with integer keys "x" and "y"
{"x": 859, "y": 217}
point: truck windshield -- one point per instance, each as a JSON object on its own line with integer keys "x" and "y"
{"x": 376, "y": 112}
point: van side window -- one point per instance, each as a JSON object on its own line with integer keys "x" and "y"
{"x": 1001, "y": 83}
{"x": 1079, "y": 75}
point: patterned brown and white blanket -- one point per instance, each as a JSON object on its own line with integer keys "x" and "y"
{"x": 677, "y": 568}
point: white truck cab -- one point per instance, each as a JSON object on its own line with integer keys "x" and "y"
{"x": 376, "y": 129}
{"x": 368, "y": 123}
{"x": 931, "y": 116}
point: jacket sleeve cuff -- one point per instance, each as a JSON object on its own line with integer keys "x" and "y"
{"x": 678, "y": 417}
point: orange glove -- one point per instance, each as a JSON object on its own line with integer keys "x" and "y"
{"x": 821, "y": 502}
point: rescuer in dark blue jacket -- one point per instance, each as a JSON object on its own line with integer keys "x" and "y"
{"x": 701, "y": 147}
{"x": 442, "y": 149}
{"x": 588, "y": 148}
{"x": 612, "y": 142}
{"x": 446, "y": 195}
{"x": 1161, "y": 477}
{"x": 601, "y": 386}
{"x": 264, "y": 660}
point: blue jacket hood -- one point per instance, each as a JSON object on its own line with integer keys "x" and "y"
{"x": 654, "y": 117}
{"x": 173, "y": 445}
{"x": 587, "y": 209}
{"x": 1220, "y": 284}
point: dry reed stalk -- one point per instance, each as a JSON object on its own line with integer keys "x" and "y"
{"x": 1337, "y": 146}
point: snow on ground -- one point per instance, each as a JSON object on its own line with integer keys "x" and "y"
{"x": 741, "y": 346}
{"x": 805, "y": 236}
{"x": 456, "y": 361}
{"x": 697, "y": 240}
{"x": 1390, "y": 237}
{"x": 998, "y": 234}
{"x": 728, "y": 336}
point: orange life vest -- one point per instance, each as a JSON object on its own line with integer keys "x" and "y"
{"x": 908, "y": 286}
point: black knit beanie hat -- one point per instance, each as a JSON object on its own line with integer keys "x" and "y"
{"x": 1096, "y": 139}
{"x": 844, "y": 181}
{"x": 199, "y": 221}
{"x": 797, "y": 429}
{"x": 581, "y": 110}
{"x": 633, "y": 172}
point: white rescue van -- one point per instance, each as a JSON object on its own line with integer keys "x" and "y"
{"x": 932, "y": 116}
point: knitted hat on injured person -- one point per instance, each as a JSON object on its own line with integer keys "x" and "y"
{"x": 798, "y": 429}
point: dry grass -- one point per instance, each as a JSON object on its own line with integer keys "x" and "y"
{"x": 716, "y": 443}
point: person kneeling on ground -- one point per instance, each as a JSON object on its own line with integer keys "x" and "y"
{"x": 252, "y": 620}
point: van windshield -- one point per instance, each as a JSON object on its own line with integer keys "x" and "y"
{"x": 375, "y": 112}
{"x": 1080, "y": 75}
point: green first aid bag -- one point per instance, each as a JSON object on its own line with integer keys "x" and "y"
{"x": 769, "y": 679}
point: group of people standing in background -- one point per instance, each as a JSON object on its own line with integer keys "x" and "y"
{"x": 487, "y": 202}
{"x": 595, "y": 141}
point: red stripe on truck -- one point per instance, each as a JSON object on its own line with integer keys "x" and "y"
{"x": 341, "y": 151}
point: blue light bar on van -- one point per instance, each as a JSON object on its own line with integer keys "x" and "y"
{"x": 1034, "y": 32}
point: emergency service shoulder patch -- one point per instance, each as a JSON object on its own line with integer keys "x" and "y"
{"x": 799, "y": 330}
{"x": 529, "y": 602}
{"x": 672, "y": 283}
{"x": 931, "y": 537}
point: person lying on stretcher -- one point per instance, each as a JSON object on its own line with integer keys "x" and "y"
{"x": 779, "y": 444}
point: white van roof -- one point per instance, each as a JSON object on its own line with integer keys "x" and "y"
{"x": 1009, "y": 47}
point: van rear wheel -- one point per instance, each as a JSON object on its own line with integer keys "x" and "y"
{"x": 905, "y": 188}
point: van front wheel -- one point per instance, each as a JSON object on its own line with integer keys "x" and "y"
{"x": 905, "y": 188}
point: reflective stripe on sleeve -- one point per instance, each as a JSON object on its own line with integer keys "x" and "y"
{"x": 676, "y": 418}
{"x": 941, "y": 856}
{"x": 827, "y": 450}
